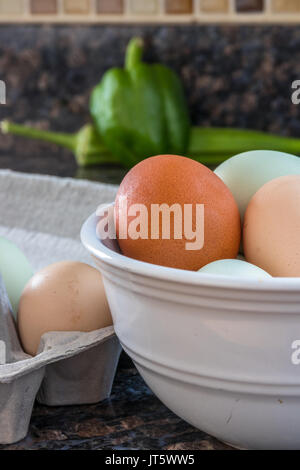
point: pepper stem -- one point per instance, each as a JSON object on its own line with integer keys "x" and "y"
{"x": 134, "y": 53}
{"x": 59, "y": 138}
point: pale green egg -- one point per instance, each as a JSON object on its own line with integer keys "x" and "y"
{"x": 235, "y": 268}
{"x": 245, "y": 173}
{"x": 15, "y": 271}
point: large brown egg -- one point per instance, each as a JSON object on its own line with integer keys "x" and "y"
{"x": 65, "y": 296}
{"x": 174, "y": 180}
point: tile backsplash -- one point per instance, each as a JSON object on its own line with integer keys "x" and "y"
{"x": 43, "y": 7}
{"x": 149, "y": 11}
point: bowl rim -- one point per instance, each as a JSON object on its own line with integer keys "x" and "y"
{"x": 117, "y": 260}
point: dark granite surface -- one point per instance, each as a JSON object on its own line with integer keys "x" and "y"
{"x": 132, "y": 419}
{"x": 233, "y": 76}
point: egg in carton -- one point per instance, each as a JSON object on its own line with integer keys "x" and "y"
{"x": 71, "y": 368}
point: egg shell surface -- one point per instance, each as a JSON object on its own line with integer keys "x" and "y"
{"x": 15, "y": 270}
{"x": 235, "y": 268}
{"x": 246, "y": 172}
{"x": 172, "y": 179}
{"x": 65, "y": 296}
{"x": 272, "y": 227}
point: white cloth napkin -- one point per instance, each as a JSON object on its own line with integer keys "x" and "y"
{"x": 43, "y": 215}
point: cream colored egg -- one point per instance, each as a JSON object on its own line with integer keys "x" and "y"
{"x": 272, "y": 227}
{"x": 65, "y": 296}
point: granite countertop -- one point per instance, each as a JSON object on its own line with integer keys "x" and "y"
{"x": 132, "y": 419}
{"x": 234, "y": 76}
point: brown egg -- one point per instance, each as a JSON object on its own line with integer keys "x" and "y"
{"x": 65, "y": 296}
{"x": 171, "y": 179}
{"x": 272, "y": 227}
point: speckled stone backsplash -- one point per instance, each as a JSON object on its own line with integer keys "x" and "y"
{"x": 233, "y": 75}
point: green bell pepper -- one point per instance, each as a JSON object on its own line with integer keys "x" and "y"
{"x": 140, "y": 110}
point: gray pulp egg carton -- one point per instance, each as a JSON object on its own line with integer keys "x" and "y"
{"x": 71, "y": 368}
{"x": 43, "y": 216}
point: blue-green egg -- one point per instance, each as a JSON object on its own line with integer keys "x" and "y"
{"x": 247, "y": 172}
{"x": 15, "y": 271}
{"x": 235, "y": 268}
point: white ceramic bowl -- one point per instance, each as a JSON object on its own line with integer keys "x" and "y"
{"x": 217, "y": 351}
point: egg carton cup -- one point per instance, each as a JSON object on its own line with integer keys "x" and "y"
{"x": 43, "y": 216}
{"x": 71, "y": 368}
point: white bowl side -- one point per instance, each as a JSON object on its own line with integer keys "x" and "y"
{"x": 216, "y": 351}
